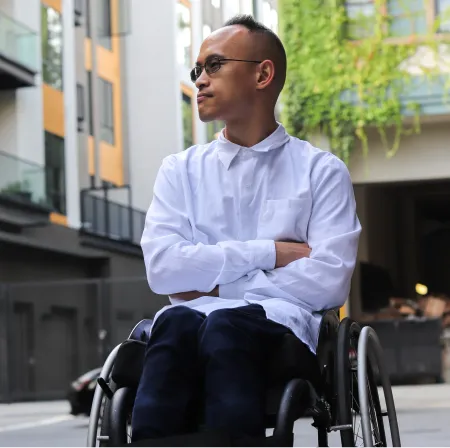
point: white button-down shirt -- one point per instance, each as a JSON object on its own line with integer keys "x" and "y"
{"x": 218, "y": 210}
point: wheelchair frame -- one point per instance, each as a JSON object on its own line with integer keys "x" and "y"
{"x": 325, "y": 418}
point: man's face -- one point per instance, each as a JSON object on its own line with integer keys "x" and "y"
{"x": 227, "y": 93}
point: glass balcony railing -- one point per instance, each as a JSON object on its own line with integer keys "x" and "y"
{"x": 108, "y": 219}
{"x": 21, "y": 180}
{"x": 18, "y": 43}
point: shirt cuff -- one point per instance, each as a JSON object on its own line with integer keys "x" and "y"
{"x": 264, "y": 254}
{"x": 264, "y": 259}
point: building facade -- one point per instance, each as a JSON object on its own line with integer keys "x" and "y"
{"x": 93, "y": 95}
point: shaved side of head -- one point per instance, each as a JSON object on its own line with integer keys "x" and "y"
{"x": 267, "y": 45}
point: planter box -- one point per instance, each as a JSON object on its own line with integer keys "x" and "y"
{"x": 412, "y": 348}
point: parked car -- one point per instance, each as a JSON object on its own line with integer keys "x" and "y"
{"x": 81, "y": 392}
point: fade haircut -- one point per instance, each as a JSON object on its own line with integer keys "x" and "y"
{"x": 274, "y": 48}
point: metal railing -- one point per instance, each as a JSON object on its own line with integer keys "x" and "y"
{"x": 102, "y": 217}
{"x": 18, "y": 43}
{"x": 52, "y": 332}
{"x": 22, "y": 180}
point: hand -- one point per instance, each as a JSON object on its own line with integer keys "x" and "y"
{"x": 289, "y": 252}
{"x": 192, "y": 295}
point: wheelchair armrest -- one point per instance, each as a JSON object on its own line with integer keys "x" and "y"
{"x": 141, "y": 332}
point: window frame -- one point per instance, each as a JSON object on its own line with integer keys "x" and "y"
{"x": 46, "y": 48}
{"x": 431, "y": 16}
{"x": 104, "y": 35}
{"x": 189, "y": 92}
{"x": 57, "y": 192}
{"x": 81, "y": 106}
{"x": 106, "y": 113}
{"x": 187, "y": 4}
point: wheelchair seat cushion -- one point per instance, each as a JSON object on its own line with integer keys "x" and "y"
{"x": 292, "y": 360}
{"x": 129, "y": 363}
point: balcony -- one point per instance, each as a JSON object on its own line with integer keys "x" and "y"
{"x": 430, "y": 94}
{"x": 23, "y": 199}
{"x": 110, "y": 220}
{"x": 19, "y": 47}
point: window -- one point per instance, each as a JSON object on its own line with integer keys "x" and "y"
{"x": 89, "y": 95}
{"x": 55, "y": 172}
{"x": 188, "y": 122}
{"x": 213, "y": 16}
{"x": 52, "y": 47}
{"x": 88, "y": 18}
{"x": 104, "y": 23}
{"x": 184, "y": 39}
{"x": 361, "y": 15}
{"x": 443, "y": 13}
{"x": 78, "y": 11}
{"x": 407, "y": 18}
{"x": 107, "y": 112}
{"x": 80, "y": 107}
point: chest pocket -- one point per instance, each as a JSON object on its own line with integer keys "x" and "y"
{"x": 284, "y": 219}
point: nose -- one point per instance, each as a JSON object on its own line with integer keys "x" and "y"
{"x": 202, "y": 81}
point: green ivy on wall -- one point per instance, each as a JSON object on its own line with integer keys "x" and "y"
{"x": 346, "y": 75}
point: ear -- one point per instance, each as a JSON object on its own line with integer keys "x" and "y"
{"x": 265, "y": 74}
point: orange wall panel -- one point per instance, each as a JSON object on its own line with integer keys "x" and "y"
{"x": 55, "y": 4}
{"x": 53, "y": 110}
{"x": 87, "y": 54}
{"x": 91, "y": 161}
{"x": 57, "y": 218}
{"x": 111, "y": 163}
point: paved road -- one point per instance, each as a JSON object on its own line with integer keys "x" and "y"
{"x": 423, "y": 413}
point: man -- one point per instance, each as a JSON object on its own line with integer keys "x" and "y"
{"x": 216, "y": 241}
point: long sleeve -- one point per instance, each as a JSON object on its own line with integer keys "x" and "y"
{"x": 173, "y": 263}
{"x": 321, "y": 281}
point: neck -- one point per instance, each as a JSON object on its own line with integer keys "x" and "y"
{"x": 250, "y": 132}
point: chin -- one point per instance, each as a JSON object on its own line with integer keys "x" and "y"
{"x": 208, "y": 115}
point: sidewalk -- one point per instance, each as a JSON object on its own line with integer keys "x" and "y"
{"x": 28, "y": 413}
{"x": 421, "y": 397}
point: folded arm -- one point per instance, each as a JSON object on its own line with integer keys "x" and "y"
{"x": 174, "y": 264}
{"x": 322, "y": 280}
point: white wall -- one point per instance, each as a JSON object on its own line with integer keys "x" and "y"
{"x": 70, "y": 116}
{"x": 153, "y": 93}
{"x": 420, "y": 157}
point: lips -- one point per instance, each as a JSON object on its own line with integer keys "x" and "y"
{"x": 202, "y": 97}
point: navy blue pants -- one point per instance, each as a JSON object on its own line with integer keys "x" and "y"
{"x": 206, "y": 368}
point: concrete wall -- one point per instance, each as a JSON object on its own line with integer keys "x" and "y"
{"x": 70, "y": 115}
{"x": 153, "y": 105}
{"x": 420, "y": 157}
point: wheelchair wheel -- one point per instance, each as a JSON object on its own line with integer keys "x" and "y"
{"x": 370, "y": 355}
{"x": 348, "y": 390}
{"x": 105, "y": 427}
{"x": 116, "y": 422}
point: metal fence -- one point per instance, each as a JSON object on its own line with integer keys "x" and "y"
{"x": 52, "y": 332}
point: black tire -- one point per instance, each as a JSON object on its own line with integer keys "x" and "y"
{"x": 106, "y": 417}
{"x": 347, "y": 386}
{"x": 121, "y": 407}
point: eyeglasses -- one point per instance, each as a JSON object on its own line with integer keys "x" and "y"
{"x": 213, "y": 65}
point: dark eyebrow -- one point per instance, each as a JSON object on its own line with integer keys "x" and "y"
{"x": 211, "y": 56}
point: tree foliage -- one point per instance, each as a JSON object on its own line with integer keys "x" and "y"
{"x": 347, "y": 75}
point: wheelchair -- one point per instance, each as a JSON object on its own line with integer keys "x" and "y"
{"x": 344, "y": 398}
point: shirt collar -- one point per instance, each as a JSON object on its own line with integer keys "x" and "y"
{"x": 227, "y": 150}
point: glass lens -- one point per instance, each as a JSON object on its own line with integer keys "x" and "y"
{"x": 195, "y": 73}
{"x": 212, "y": 66}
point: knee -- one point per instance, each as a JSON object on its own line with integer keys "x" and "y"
{"x": 219, "y": 320}
{"x": 179, "y": 320}
{"x": 219, "y": 332}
